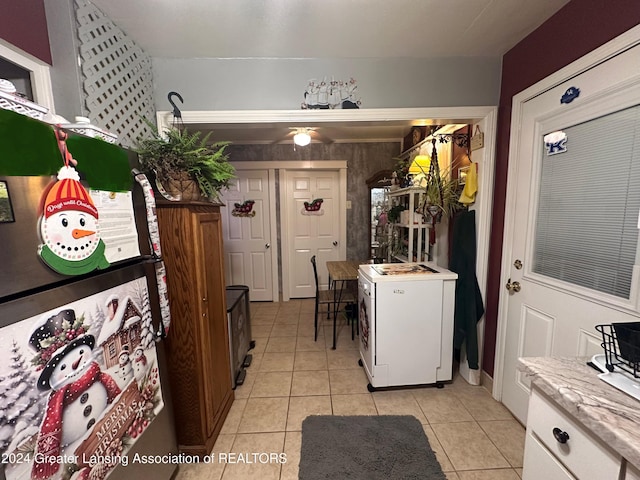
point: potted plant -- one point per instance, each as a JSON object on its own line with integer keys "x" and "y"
{"x": 394, "y": 213}
{"x": 402, "y": 172}
{"x": 441, "y": 196}
{"x": 185, "y": 165}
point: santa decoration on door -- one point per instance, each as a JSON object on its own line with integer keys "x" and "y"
{"x": 69, "y": 223}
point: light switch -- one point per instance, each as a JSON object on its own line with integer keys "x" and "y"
{"x": 348, "y": 204}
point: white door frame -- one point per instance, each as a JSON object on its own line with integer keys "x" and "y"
{"x": 418, "y": 116}
{"x": 597, "y": 56}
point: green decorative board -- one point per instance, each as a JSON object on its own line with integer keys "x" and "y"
{"x": 28, "y": 147}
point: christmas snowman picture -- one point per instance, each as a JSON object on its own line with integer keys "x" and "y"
{"x": 69, "y": 223}
{"x": 80, "y": 391}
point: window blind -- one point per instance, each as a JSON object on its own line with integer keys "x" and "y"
{"x": 586, "y": 229}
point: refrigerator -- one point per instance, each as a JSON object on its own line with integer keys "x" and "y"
{"x": 405, "y": 315}
{"x": 83, "y": 310}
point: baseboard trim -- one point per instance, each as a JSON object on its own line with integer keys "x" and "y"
{"x": 486, "y": 381}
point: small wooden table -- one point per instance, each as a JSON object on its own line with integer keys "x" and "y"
{"x": 342, "y": 272}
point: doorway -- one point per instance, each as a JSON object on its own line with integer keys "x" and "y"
{"x": 379, "y": 185}
{"x": 482, "y": 117}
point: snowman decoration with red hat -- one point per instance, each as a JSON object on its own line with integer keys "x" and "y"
{"x": 80, "y": 391}
{"x": 69, "y": 223}
{"x": 139, "y": 364}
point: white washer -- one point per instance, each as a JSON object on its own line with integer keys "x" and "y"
{"x": 406, "y": 323}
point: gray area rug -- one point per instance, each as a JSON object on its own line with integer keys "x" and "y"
{"x": 386, "y": 447}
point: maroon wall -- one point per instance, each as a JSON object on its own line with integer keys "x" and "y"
{"x": 578, "y": 28}
{"x": 23, "y": 23}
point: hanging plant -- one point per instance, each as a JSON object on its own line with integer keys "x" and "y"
{"x": 441, "y": 196}
{"x": 185, "y": 164}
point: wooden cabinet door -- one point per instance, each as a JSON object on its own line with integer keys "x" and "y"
{"x": 216, "y": 371}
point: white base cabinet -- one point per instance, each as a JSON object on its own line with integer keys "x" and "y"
{"x": 631, "y": 473}
{"x": 541, "y": 463}
{"x": 558, "y": 447}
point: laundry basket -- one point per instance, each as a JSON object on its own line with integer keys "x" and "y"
{"x": 239, "y": 319}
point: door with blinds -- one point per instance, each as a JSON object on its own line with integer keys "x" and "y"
{"x": 573, "y": 257}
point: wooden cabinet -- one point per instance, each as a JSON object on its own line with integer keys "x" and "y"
{"x": 198, "y": 340}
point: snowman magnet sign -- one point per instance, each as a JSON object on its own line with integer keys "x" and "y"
{"x": 69, "y": 223}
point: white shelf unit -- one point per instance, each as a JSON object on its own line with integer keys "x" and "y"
{"x": 411, "y": 231}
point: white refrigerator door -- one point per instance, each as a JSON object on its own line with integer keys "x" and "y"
{"x": 408, "y": 330}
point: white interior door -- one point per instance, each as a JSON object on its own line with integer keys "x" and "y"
{"x": 571, "y": 241}
{"x": 312, "y": 232}
{"x": 247, "y": 239}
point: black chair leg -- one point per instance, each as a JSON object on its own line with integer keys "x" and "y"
{"x": 350, "y": 318}
{"x": 315, "y": 324}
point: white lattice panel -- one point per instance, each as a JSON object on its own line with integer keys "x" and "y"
{"x": 117, "y": 76}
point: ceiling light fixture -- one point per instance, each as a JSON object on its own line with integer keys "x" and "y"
{"x": 302, "y": 137}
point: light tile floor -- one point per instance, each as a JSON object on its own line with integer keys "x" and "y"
{"x": 473, "y": 436}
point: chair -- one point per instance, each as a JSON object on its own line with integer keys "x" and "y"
{"x": 331, "y": 298}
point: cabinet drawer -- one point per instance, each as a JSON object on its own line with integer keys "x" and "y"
{"x": 540, "y": 462}
{"x": 581, "y": 453}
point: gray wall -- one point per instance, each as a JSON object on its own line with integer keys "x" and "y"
{"x": 65, "y": 72}
{"x": 279, "y": 84}
{"x": 363, "y": 160}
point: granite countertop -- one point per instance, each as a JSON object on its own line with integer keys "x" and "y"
{"x": 611, "y": 415}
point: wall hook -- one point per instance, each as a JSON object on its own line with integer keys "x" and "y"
{"x": 176, "y": 111}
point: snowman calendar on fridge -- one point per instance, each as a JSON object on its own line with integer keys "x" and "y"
{"x": 80, "y": 387}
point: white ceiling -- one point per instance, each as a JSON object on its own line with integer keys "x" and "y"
{"x": 326, "y": 29}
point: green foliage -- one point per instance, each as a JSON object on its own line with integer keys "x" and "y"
{"x": 447, "y": 204}
{"x": 394, "y": 213}
{"x": 402, "y": 168}
{"x": 181, "y": 152}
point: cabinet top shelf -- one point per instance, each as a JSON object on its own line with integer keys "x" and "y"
{"x": 406, "y": 191}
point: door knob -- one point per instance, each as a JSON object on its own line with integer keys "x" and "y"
{"x": 518, "y": 264}
{"x": 267, "y": 245}
{"x": 513, "y": 286}
{"x": 335, "y": 243}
